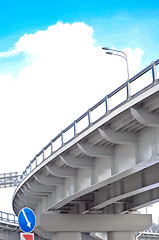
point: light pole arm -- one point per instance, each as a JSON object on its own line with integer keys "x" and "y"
{"x": 119, "y": 55}
{"x": 118, "y": 51}
{"x": 125, "y": 57}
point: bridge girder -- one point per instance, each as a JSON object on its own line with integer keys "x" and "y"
{"x": 109, "y": 167}
{"x": 110, "y": 156}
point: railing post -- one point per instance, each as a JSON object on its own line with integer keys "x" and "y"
{"x": 154, "y": 73}
{"x": 128, "y": 89}
{"x": 51, "y": 147}
{"x": 89, "y": 117}
{"x": 107, "y": 103}
{"x": 75, "y": 128}
{"x": 36, "y": 162}
{"x": 61, "y": 138}
{"x": 43, "y": 154}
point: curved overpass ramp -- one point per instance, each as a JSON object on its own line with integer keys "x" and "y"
{"x": 106, "y": 161}
{"x": 9, "y": 228}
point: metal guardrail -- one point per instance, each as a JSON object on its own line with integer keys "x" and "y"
{"x": 8, "y": 217}
{"x": 151, "y": 233}
{"x": 87, "y": 119}
{"x": 9, "y": 179}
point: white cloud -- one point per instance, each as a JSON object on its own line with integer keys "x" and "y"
{"x": 9, "y": 53}
{"x": 65, "y": 74}
{"x": 5, "y": 78}
{"x": 134, "y": 59}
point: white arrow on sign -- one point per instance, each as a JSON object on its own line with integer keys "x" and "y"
{"x": 28, "y": 223}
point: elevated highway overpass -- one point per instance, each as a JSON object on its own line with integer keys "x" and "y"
{"x": 105, "y": 162}
{"x": 9, "y": 228}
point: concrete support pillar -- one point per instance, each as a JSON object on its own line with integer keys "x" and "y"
{"x": 121, "y": 236}
{"x": 77, "y": 236}
{"x": 66, "y": 236}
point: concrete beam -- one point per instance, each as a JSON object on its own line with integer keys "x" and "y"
{"x": 29, "y": 198}
{"x": 95, "y": 151}
{"x": 38, "y": 188}
{"x": 38, "y": 194}
{"x": 50, "y": 222}
{"x": 66, "y": 236}
{"x": 48, "y": 180}
{"x": 117, "y": 137}
{"x": 121, "y": 236}
{"x": 145, "y": 118}
{"x": 77, "y": 162}
{"x": 61, "y": 172}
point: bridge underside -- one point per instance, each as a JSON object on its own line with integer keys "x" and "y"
{"x": 109, "y": 168}
{"x": 112, "y": 167}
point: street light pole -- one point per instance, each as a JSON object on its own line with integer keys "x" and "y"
{"x": 118, "y": 53}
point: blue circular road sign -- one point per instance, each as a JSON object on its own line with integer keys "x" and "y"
{"x": 26, "y": 219}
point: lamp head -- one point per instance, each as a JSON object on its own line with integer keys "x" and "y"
{"x": 109, "y": 53}
{"x": 105, "y": 48}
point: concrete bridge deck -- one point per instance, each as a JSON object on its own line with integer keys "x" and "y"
{"x": 107, "y": 161}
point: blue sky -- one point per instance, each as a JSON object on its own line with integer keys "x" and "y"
{"x": 25, "y": 27}
{"x": 116, "y": 23}
{"x": 51, "y": 72}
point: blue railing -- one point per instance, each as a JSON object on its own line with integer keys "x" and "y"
{"x": 125, "y": 92}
